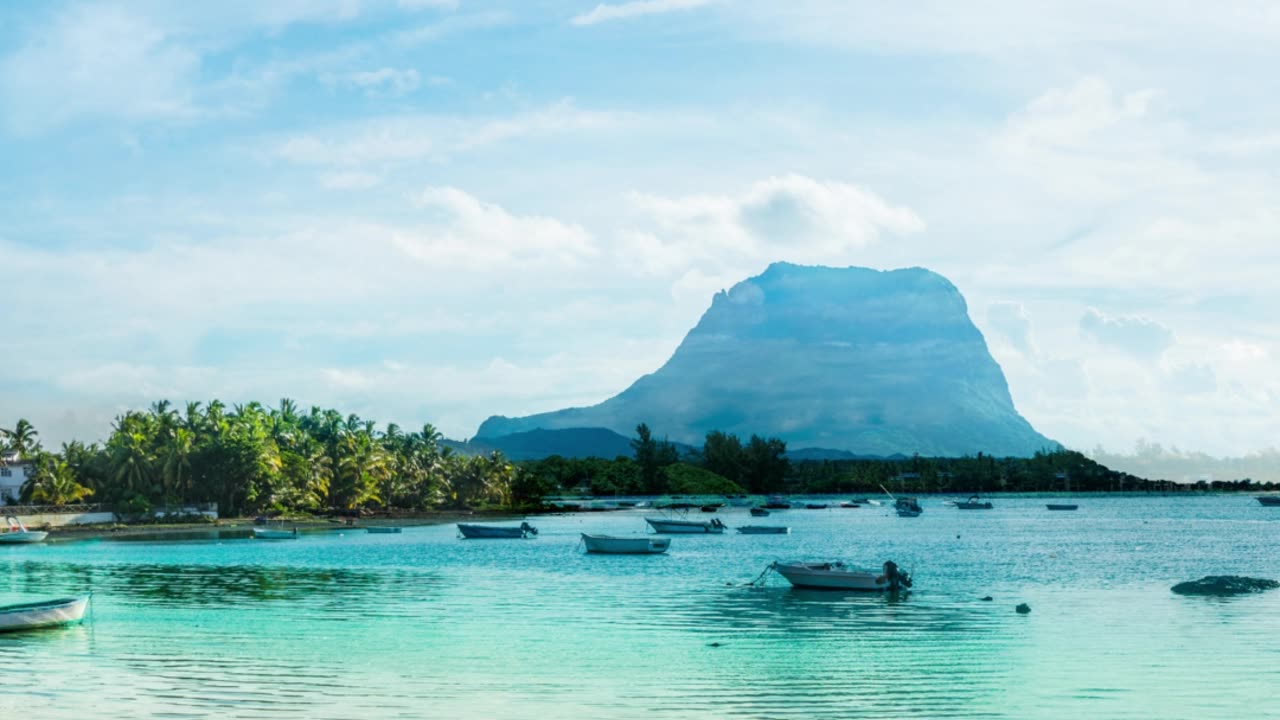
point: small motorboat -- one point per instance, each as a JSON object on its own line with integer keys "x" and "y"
{"x": 816, "y": 506}
{"x": 383, "y": 530}
{"x": 973, "y": 503}
{"x": 1061, "y": 506}
{"x": 477, "y": 532}
{"x": 764, "y": 529}
{"x": 1269, "y": 500}
{"x": 759, "y": 512}
{"x": 907, "y": 507}
{"x": 775, "y": 502}
{"x": 709, "y": 508}
{"x": 687, "y": 527}
{"x": 16, "y": 532}
{"x": 610, "y": 545}
{"x": 850, "y": 504}
{"x": 274, "y": 534}
{"x": 838, "y": 576}
{"x": 45, "y": 614}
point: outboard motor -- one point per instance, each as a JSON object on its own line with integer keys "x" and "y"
{"x": 897, "y": 579}
{"x": 529, "y": 529}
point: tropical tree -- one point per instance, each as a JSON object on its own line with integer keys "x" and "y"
{"x": 22, "y": 439}
{"x": 54, "y": 483}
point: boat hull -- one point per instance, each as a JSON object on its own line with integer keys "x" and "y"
{"x": 764, "y": 530}
{"x": 491, "y": 532}
{"x": 266, "y": 534}
{"x": 382, "y": 530}
{"x": 759, "y": 512}
{"x": 1269, "y": 500}
{"x": 973, "y": 506}
{"x": 827, "y": 576}
{"x": 1059, "y": 507}
{"x": 609, "y": 545}
{"x": 23, "y": 537}
{"x": 685, "y": 527}
{"x": 33, "y": 616}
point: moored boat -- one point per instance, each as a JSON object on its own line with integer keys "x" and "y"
{"x": 383, "y": 530}
{"x": 850, "y": 504}
{"x": 907, "y": 507}
{"x": 776, "y": 502}
{"x": 688, "y": 527}
{"x": 610, "y": 545}
{"x": 47, "y": 613}
{"x": 839, "y": 576}
{"x": 816, "y": 506}
{"x": 973, "y": 503}
{"x": 759, "y": 512}
{"x": 476, "y": 532}
{"x": 1061, "y": 506}
{"x": 1269, "y": 500}
{"x": 16, "y": 532}
{"x": 709, "y": 508}
{"x": 764, "y": 529}
{"x": 274, "y": 534}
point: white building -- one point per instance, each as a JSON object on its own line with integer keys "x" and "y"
{"x": 13, "y": 474}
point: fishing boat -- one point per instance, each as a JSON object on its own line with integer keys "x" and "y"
{"x": 1061, "y": 506}
{"x": 686, "y": 527}
{"x": 476, "y": 532}
{"x": 383, "y": 530}
{"x": 973, "y": 503}
{"x": 260, "y": 533}
{"x": 48, "y": 613}
{"x": 775, "y": 502}
{"x": 764, "y": 529}
{"x": 610, "y": 545}
{"x": 16, "y": 532}
{"x": 839, "y": 576}
{"x": 759, "y": 512}
{"x": 1269, "y": 500}
{"x": 907, "y": 507}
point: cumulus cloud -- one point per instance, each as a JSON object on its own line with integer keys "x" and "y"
{"x": 1012, "y": 321}
{"x": 1138, "y": 336}
{"x": 605, "y": 12}
{"x": 1191, "y": 378}
{"x": 383, "y": 82}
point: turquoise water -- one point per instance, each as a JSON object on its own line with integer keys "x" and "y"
{"x": 349, "y": 625}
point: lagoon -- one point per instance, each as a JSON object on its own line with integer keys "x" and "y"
{"x": 421, "y": 624}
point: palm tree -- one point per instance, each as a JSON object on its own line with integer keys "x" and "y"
{"x": 54, "y": 483}
{"x": 131, "y": 466}
{"x": 22, "y": 439}
{"x": 177, "y": 463}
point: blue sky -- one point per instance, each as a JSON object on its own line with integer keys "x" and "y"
{"x": 430, "y": 210}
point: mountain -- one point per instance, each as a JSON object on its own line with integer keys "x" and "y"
{"x": 865, "y": 361}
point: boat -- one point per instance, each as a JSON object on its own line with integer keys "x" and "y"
{"x": 839, "y": 576}
{"x": 850, "y": 504}
{"x": 44, "y": 614}
{"x": 816, "y": 506}
{"x": 775, "y": 502}
{"x": 16, "y": 532}
{"x": 907, "y": 507}
{"x": 274, "y": 534}
{"x": 709, "y": 508}
{"x": 383, "y": 530}
{"x": 687, "y": 527}
{"x": 1269, "y": 500}
{"x": 759, "y": 512}
{"x": 764, "y": 529}
{"x": 973, "y": 503}
{"x": 1061, "y": 506}
{"x": 610, "y": 545}
{"x": 476, "y": 532}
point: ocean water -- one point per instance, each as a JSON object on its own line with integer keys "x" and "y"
{"x": 424, "y": 625}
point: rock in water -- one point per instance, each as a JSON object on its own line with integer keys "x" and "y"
{"x": 1023, "y": 609}
{"x": 1224, "y": 585}
{"x": 845, "y": 359}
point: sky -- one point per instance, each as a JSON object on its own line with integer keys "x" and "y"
{"x": 438, "y": 210}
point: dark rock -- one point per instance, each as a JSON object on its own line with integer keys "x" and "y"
{"x": 837, "y": 358}
{"x": 1224, "y": 585}
{"x": 1023, "y": 609}
{"x": 714, "y": 644}
{"x": 987, "y": 599}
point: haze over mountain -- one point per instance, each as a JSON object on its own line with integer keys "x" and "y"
{"x": 853, "y": 359}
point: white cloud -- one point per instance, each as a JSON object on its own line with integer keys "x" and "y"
{"x": 386, "y": 82}
{"x": 1011, "y": 320}
{"x": 1140, "y": 336}
{"x": 605, "y": 12}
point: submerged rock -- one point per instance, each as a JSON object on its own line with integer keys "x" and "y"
{"x": 1023, "y": 609}
{"x": 1224, "y": 585}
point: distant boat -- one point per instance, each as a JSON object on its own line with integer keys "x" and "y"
{"x": 16, "y": 532}
{"x": 973, "y": 503}
{"x": 476, "y": 532}
{"x": 1269, "y": 500}
{"x": 610, "y": 545}
{"x": 274, "y": 534}
{"x": 709, "y": 508}
{"x": 759, "y": 512}
{"x": 907, "y": 507}
{"x": 838, "y": 576}
{"x": 764, "y": 529}
{"x": 383, "y": 530}
{"x": 45, "y": 614}
{"x": 687, "y": 527}
{"x": 862, "y": 501}
{"x": 775, "y": 502}
{"x": 1060, "y": 506}
{"x": 850, "y": 504}
{"x": 816, "y": 506}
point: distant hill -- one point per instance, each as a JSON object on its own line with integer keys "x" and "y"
{"x": 538, "y": 444}
{"x": 850, "y": 359}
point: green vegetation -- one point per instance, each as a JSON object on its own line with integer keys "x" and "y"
{"x": 684, "y": 479}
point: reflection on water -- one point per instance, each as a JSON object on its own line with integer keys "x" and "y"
{"x": 424, "y": 625}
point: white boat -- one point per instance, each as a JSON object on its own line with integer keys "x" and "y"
{"x": 49, "y": 613}
{"x": 383, "y": 530}
{"x": 610, "y": 545}
{"x": 523, "y": 530}
{"x": 16, "y": 532}
{"x": 764, "y": 529}
{"x": 274, "y": 534}
{"x": 838, "y": 576}
{"x": 687, "y": 527}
